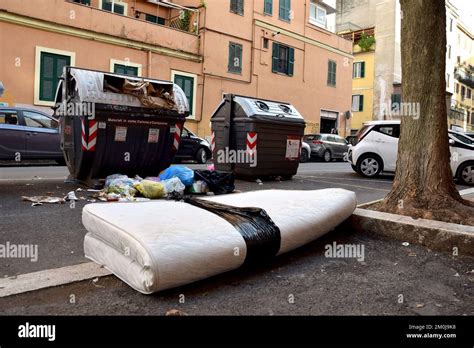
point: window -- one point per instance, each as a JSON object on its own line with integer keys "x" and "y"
{"x": 358, "y": 70}
{"x": 9, "y": 117}
{"x": 114, "y": 6}
{"x": 449, "y": 51}
{"x": 268, "y": 7}
{"x": 468, "y": 93}
{"x": 154, "y": 19}
{"x": 357, "y": 103}
{"x": 187, "y": 82}
{"x": 83, "y": 2}
{"x": 125, "y": 69}
{"x": 396, "y": 100}
{"x": 331, "y": 73}
{"x": 457, "y": 88}
{"x": 235, "y": 58}
{"x": 285, "y": 10}
{"x": 237, "y": 6}
{"x": 391, "y": 130}
{"x": 283, "y": 59}
{"x": 317, "y": 14}
{"x": 37, "y": 120}
{"x": 447, "y": 80}
{"x": 450, "y": 24}
{"x": 265, "y": 43}
{"x": 463, "y": 92}
{"x": 51, "y": 68}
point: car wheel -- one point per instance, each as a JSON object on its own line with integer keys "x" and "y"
{"x": 61, "y": 162}
{"x": 466, "y": 173}
{"x": 304, "y": 156}
{"x": 201, "y": 156}
{"x": 327, "y": 156}
{"x": 354, "y": 168}
{"x": 369, "y": 166}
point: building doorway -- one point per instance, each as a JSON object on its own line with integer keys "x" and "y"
{"x": 328, "y": 121}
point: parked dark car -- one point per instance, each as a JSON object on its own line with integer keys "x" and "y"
{"x": 192, "y": 147}
{"x": 28, "y": 134}
{"x": 327, "y": 146}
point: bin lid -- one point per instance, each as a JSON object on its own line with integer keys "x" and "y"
{"x": 254, "y": 107}
{"x": 90, "y": 88}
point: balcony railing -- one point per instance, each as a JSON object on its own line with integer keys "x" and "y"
{"x": 356, "y": 35}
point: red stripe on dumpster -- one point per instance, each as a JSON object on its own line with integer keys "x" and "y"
{"x": 89, "y": 138}
{"x": 213, "y": 142}
{"x": 251, "y": 142}
{"x": 177, "y": 136}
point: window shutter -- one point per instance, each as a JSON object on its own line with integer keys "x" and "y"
{"x": 268, "y": 7}
{"x": 238, "y": 54}
{"x": 275, "y": 57}
{"x": 329, "y": 73}
{"x": 361, "y": 103}
{"x": 282, "y": 10}
{"x": 231, "y": 57}
{"x": 240, "y": 6}
{"x": 362, "y": 69}
{"x": 291, "y": 61}
{"x": 288, "y": 8}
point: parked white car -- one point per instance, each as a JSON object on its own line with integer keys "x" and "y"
{"x": 377, "y": 146}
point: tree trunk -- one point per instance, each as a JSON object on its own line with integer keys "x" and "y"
{"x": 423, "y": 185}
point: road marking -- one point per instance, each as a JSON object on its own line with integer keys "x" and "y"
{"x": 356, "y": 186}
{"x": 50, "y": 278}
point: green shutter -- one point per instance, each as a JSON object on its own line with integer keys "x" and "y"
{"x": 51, "y": 68}
{"x": 275, "y": 57}
{"x": 328, "y": 82}
{"x": 362, "y": 69}
{"x": 268, "y": 7}
{"x": 187, "y": 85}
{"x": 361, "y": 103}
{"x": 238, "y": 52}
{"x": 235, "y": 51}
{"x": 291, "y": 61}
{"x": 284, "y": 9}
{"x": 331, "y": 80}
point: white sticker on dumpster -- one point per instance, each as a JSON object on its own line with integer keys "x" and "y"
{"x": 102, "y": 125}
{"x": 120, "y": 134}
{"x": 292, "y": 148}
{"x": 153, "y": 135}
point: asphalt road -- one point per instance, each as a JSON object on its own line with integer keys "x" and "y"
{"x": 430, "y": 282}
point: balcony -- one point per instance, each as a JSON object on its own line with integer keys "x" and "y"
{"x": 464, "y": 73}
{"x": 165, "y": 13}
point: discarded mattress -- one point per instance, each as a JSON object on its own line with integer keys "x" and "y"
{"x": 159, "y": 245}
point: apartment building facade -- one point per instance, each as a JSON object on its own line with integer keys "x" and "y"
{"x": 281, "y": 49}
{"x": 382, "y": 19}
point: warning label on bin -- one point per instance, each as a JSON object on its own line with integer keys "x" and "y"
{"x": 153, "y": 135}
{"x": 120, "y": 134}
{"x": 292, "y": 148}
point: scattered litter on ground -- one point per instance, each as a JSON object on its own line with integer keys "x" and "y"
{"x": 71, "y": 196}
{"x": 412, "y": 254}
{"x": 43, "y": 199}
{"x": 258, "y": 181}
{"x": 405, "y": 244}
{"x": 36, "y": 204}
{"x": 456, "y": 275}
{"x": 175, "y": 312}
{"x": 173, "y": 185}
{"x": 183, "y": 173}
{"x": 95, "y": 280}
{"x": 151, "y": 189}
{"x": 438, "y": 305}
{"x": 420, "y": 305}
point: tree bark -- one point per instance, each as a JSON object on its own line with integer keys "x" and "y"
{"x": 423, "y": 184}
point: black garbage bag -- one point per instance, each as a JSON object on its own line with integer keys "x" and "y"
{"x": 218, "y": 182}
{"x": 261, "y": 235}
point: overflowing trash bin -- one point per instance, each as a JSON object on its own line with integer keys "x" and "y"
{"x": 112, "y": 123}
{"x": 256, "y": 138}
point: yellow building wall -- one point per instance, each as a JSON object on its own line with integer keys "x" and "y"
{"x": 364, "y": 86}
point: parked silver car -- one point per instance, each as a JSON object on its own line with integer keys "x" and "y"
{"x": 327, "y": 146}
{"x": 28, "y": 134}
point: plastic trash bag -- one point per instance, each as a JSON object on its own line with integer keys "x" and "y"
{"x": 173, "y": 185}
{"x": 120, "y": 184}
{"x": 151, "y": 189}
{"x": 218, "y": 182}
{"x": 183, "y": 173}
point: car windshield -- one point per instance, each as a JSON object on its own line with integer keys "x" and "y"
{"x": 462, "y": 138}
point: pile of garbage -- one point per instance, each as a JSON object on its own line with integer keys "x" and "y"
{"x": 172, "y": 182}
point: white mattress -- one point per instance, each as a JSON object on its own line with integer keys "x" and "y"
{"x": 162, "y": 244}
